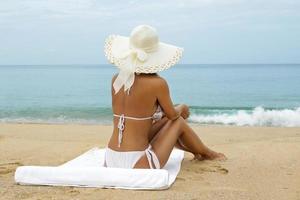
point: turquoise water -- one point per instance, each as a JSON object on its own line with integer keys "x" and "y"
{"x": 263, "y": 95}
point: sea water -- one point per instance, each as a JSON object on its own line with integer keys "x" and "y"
{"x": 231, "y": 94}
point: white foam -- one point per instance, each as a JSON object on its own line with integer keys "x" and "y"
{"x": 58, "y": 120}
{"x": 258, "y": 117}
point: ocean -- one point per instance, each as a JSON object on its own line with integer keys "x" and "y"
{"x": 231, "y": 94}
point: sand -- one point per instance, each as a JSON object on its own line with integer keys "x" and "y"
{"x": 263, "y": 163}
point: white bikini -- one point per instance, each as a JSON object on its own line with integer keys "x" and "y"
{"x": 127, "y": 159}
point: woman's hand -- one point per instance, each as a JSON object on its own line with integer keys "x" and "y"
{"x": 184, "y": 110}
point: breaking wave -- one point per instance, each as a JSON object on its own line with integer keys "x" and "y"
{"x": 259, "y": 116}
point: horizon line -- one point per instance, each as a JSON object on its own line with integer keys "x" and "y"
{"x": 176, "y": 64}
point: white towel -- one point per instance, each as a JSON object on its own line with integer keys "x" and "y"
{"x": 87, "y": 171}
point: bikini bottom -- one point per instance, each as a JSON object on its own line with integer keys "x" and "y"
{"x": 127, "y": 159}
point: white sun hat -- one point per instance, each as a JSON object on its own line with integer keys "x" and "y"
{"x": 142, "y": 52}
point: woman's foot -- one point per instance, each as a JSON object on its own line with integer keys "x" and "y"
{"x": 211, "y": 155}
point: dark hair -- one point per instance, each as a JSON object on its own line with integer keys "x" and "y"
{"x": 146, "y": 73}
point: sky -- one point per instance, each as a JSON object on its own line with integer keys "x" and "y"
{"x": 34, "y": 32}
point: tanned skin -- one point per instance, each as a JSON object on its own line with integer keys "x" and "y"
{"x": 171, "y": 131}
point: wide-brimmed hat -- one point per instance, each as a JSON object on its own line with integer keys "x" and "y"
{"x": 142, "y": 52}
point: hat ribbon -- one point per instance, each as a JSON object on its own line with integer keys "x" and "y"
{"x": 126, "y": 73}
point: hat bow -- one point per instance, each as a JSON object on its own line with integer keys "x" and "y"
{"x": 126, "y": 74}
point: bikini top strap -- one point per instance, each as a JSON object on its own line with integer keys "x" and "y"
{"x": 121, "y": 125}
{"x": 156, "y": 116}
{"x": 134, "y": 118}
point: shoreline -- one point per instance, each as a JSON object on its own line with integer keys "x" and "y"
{"x": 110, "y": 124}
{"x": 263, "y": 162}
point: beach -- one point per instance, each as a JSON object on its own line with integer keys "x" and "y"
{"x": 263, "y": 162}
{"x": 70, "y": 69}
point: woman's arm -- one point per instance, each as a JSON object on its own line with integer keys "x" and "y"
{"x": 164, "y": 100}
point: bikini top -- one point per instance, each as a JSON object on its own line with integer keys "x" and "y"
{"x": 156, "y": 116}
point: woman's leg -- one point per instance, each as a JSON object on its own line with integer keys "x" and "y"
{"x": 156, "y": 127}
{"x": 159, "y": 125}
{"x": 165, "y": 140}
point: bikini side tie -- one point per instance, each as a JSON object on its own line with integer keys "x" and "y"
{"x": 150, "y": 154}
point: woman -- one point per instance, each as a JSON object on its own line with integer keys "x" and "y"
{"x": 146, "y": 124}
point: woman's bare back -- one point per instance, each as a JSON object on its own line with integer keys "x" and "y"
{"x": 141, "y": 102}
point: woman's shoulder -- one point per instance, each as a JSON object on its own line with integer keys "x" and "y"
{"x": 156, "y": 80}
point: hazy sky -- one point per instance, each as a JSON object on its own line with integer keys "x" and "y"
{"x": 210, "y": 31}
